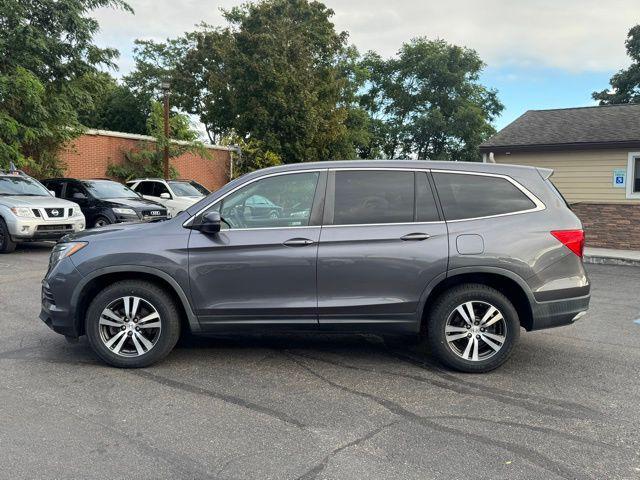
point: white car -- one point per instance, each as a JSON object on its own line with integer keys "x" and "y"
{"x": 175, "y": 195}
{"x": 29, "y": 212}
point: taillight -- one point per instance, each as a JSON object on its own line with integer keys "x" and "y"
{"x": 572, "y": 239}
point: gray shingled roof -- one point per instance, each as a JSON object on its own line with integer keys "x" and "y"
{"x": 611, "y": 124}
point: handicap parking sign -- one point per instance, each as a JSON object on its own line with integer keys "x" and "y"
{"x": 619, "y": 178}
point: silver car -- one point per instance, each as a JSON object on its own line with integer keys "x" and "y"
{"x": 29, "y": 212}
{"x": 461, "y": 255}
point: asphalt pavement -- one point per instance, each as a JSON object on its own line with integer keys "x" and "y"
{"x": 566, "y": 405}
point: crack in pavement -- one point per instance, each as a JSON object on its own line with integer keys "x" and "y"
{"x": 528, "y": 455}
{"x": 317, "y": 469}
{"x": 186, "y": 387}
{"x": 463, "y": 389}
{"x": 586, "y": 412}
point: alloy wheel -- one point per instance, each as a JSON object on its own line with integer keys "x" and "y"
{"x": 130, "y": 326}
{"x": 475, "y": 331}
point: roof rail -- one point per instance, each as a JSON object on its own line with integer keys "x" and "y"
{"x": 13, "y": 172}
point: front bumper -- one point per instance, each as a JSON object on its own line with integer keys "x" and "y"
{"x": 57, "y": 308}
{"x": 25, "y": 229}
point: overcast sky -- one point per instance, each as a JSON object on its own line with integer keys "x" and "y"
{"x": 539, "y": 53}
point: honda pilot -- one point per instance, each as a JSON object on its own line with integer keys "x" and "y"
{"x": 462, "y": 255}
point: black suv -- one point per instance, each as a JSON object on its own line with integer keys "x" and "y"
{"x": 104, "y": 202}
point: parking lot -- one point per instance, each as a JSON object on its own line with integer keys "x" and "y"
{"x": 567, "y": 404}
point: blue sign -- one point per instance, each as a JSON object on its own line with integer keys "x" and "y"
{"x": 619, "y": 178}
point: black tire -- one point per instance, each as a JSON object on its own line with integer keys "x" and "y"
{"x": 101, "y": 221}
{"x": 148, "y": 292}
{"x": 6, "y": 244}
{"x": 444, "y": 310}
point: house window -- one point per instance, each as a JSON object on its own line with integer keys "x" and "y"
{"x": 633, "y": 175}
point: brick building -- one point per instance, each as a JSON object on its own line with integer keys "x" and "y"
{"x": 89, "y": 155}
{"x": 595, "y": 155}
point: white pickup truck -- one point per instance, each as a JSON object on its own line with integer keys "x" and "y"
{"x": 29, "y": 212}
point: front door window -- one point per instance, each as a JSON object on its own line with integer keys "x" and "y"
{"x": 278, "y": 201}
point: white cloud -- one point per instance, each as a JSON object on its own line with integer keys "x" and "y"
{"x": 573, "y": 35}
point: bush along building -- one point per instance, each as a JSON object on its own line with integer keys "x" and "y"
{"x": 595, "y": 155}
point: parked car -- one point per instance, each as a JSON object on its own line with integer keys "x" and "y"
{"x": 29, "y": 212}
{"x": 463, "y": 254}
{"x": 104, "y": 202}
{"x": 175, "y": 195}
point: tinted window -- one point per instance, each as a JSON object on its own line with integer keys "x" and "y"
{"x": 55, "y": 187}
{"x": 73, "y": 189}
{"x": 373, "y": 197}
{"x": 145, "y": 188}
{"x": 426, "y": 210}
{"x": 470, "y": 196}
{"x": 636, "y": 176}
{"x": 159, "y": 188}
{"x": 279, "y": 201}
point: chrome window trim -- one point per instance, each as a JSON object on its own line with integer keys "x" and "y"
{"x": 276, "y": 174}
{"x": 539, "y": 205}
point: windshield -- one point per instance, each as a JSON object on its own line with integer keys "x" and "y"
{"x": 109, "y": 189}
{"x": 184, "y": 189}
{"x": 22, "y": 186}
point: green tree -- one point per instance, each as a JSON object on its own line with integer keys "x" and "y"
{"x": 148, "y": 159}
{"x": 278, "y": 75}
{"x": 625, "y": 85}
{"x": 114, "y": 106}
{"x": 46, "y": 54}
{"x": 427, "y": 102}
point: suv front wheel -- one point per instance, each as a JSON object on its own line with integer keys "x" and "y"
{"x": 132, "y": 324}
{"x": 473, "y": 328}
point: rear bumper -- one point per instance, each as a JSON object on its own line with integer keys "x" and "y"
{"x": 557, "y": 313}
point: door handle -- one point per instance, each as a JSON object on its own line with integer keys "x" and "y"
{"x": 298, "y": 242}
{"x": 415, "y": 237}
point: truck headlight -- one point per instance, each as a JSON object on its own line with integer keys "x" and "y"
{"x": 63, "y": 250}
{"x": 77, "y": 212}
{"x": 125, "y": 211}
{"x": 22, "y": 212}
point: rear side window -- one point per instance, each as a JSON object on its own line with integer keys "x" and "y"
{"x": 365, "y": 197}
{"x": 471, "y": 196}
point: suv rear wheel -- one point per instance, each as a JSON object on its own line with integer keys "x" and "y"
{"x": 6, "y": 244}
{"x": 132, "y": 324}
{"x": 473, "y": 328}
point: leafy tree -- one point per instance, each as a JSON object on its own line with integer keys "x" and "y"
{"x": 427, "y": 102}
{"x": 46, "y": 55}
{"x": 278, "y": 73}
{"x": 114, "y": 107}
{"x": 148, "y": 159}
{"x": 625, "y": 85}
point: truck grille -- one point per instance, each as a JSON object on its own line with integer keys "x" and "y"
{"x": 55, "y": 212}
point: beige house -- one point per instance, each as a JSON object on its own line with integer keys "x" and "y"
{"x": 595, "y": 155}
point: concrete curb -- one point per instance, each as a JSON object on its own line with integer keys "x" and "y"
{"x": 605, "y": 260}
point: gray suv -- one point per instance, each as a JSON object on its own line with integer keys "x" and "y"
{"x": 460, "y": 254}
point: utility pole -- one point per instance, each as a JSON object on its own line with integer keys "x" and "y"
{"x": 165, "y": 90}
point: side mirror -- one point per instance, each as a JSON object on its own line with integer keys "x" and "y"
{"x": 79, "y": 196}
{"x": 210, "y": 223}
{"x": 165, "y": 195}
{"x": 53, "y": 194}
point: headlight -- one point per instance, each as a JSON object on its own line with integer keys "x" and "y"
{"x": 125, "y": 211}
{"x": 77, "y": 212}
{"x": 62, "y": 250}
{"x": 22, "y": 212}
